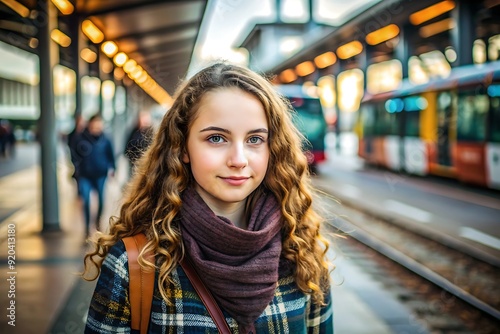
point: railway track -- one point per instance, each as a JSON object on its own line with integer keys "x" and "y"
{"x": 427, "y": 268}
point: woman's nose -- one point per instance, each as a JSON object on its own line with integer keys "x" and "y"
{"x": 237, "y": 157}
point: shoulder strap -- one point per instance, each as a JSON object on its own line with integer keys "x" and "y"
{"x": 205, "y": 295}
{"x": 141, "y": 283}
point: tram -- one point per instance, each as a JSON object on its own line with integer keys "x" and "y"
{"x": 309, "y": 119}
{"x": 448, "y": 127}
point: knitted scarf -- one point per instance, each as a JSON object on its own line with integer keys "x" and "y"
{"x": 239, "y": 267}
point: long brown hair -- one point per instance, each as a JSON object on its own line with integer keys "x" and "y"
{"x": 153, "y": 198}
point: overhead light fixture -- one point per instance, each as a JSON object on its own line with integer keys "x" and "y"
{"x": 60, "y": 38}
{"x": 136, "y": 73}
{"x": 305, "y": 68}
{"x": 92, "y": 32}
{"x": 118, "y": 73}
{"x": 17, "y": 7}
{"x": 349, "y": 50}
{"x": 431, "y": 12}
{"x": 88, "y": 55}
{"x": 383, "y": 34}
{"x": 129, "y": 66}
{"x": 64, "y": 6}
{"x": 436, "y": 28}
{"x": 106, "y": 65}
{"x": 120, "y": 59}
{"x": 142, "y": 78}
{"x": 288, "y": 75}
{"x": 33, "y": 43}
{"x": 109, "y": 48}
{"x": 325, "y": 59}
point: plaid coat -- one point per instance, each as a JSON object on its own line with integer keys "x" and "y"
{"x": 290, "y": 311}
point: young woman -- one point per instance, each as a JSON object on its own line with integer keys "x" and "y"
{"x": 226, "y": 183}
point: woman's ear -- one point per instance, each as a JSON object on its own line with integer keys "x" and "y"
{"x": 185, "y": 157}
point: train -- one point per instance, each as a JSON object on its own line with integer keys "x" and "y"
{"x": 309, "y": 119}
{"x": 446, "y": 127}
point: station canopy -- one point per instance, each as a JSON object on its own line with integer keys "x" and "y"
{"x": 159, "y": 34}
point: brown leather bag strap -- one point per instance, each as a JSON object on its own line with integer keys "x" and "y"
{"x": 141, "y": 283}
{"x": 205, "y": 295}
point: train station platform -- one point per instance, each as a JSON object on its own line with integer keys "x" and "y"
{"x": 50, "y": 297}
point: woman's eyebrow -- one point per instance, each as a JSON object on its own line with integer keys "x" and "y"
{"x": 261, "y": 130}
{"x": 216, "y": 128}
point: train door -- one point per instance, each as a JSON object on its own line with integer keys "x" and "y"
{"x": 444, "y": 114}
{"x": 472, "y": 121}
{"x": 493, "y": 142}
{"x": 416, "y": 157}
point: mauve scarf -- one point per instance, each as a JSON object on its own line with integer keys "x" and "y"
{"x": 239, "y": 267}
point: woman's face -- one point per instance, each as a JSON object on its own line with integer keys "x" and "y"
{"x": 227, "y": 147}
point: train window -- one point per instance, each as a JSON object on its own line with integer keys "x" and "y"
{"x": 494, "y": 47}
{"x": 387, "y": 122}
{"x": 471, "y": 117}
{"x": 412, "y": 126}
{"x": 367, "y": 118}
{"x": 495, "y": 119}
{"x": 412, "y": 106}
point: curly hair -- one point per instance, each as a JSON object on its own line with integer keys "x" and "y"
{"x": 153, "y": 197}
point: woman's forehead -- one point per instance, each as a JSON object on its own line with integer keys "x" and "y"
{"x": 234, "y": 107}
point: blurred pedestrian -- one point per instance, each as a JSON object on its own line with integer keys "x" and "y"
{"x": 139, "y": 139}
{"x": 72, "y": 141}
{"x": 7, "y": 139}
{"x": 224, "y": 184}
{"x": 94, "y": 161}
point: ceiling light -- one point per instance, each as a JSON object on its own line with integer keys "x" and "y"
{"x": 305, "y": 68}
{"x": 109, "y": 48}
{"x": 129, "y": 66}
{"x": 383, "y": 34}
{"x": 60, "y": 38}
{"x": 64, "y": 6}
{"x": 436, "y": 28}
{"x": 325, "y": 59}
{"x": 88, "y": 55}
{"x": 349, "y": 50}
{"x": 431, "y": 12}
{"x": 288, "y": 75}
{"x": 120, "y": 59}
{"x": 92, "y": 32}
{"x": 17, "y": 7}
{"x": 118, "y": 73}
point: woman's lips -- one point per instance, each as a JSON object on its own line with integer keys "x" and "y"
{"x": 235, "y": 180}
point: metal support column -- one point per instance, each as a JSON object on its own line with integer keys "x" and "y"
{"x": 404, "y": 49}
{"x": 47, "y": 20}
{"x": 337, "y": 69}
{"x": 76, "y": 60}
{"x": 464, "y": 34}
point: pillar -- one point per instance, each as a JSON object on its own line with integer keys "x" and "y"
{"x": 48, "y": 52}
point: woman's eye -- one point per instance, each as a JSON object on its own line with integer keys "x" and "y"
{"x": 256, "y": 140}
{"x": 216, "y": 139}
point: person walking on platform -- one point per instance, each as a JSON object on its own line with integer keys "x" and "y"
{"x": 94, "y": 161}
{"x": 223, "y": 192}
{"x": 138, "y": 139}
{"x": 72, "y": 141}
{"x": 7, "y": 139}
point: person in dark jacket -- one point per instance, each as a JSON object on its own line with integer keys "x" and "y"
{"x": 94, "y": 160}
{"x": 138, "y": 139}
{"x": 72, "y": 141}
